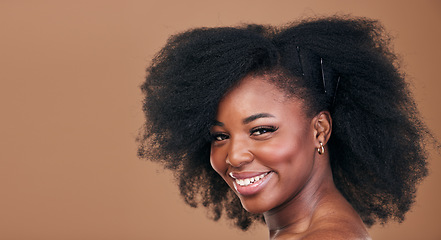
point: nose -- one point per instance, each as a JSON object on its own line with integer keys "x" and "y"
{"x": 239, "y": 153}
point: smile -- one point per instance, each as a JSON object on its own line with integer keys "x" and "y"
{"x": 247, "y": 184}
{"x": 248, "y": 181}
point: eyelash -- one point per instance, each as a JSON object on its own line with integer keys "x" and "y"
{"x": 263, "y": 130}
{"x": 260, "y": 130}
{"x": 215, "y": 136}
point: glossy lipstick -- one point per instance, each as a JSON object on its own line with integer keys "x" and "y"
{"x": 250, "y": 183}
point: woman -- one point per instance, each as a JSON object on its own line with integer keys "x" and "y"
{"x": 309, "y": 128}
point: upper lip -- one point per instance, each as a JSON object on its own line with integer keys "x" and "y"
{"x": 243, "y": 175}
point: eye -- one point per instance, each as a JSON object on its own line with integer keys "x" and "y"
{"x": 257, "y": 131}
{"x": 219, "y": 136}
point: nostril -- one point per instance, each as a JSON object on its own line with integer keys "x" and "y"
{"x": 239, "y": 159}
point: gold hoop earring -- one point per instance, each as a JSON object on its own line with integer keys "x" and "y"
{"x": 321, "y": 149}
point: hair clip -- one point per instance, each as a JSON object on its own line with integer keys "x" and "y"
{"x": 335, "y": 92}
{"x": 332, "y": 90}
{"x": 300, "y": 60}
{"x": 329, "y": 85}
{"x": 323, "y": 74}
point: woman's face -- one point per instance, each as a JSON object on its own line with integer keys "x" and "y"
{"x": 264, "y": 144}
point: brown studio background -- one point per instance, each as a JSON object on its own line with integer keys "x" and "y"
{"x": 70, "y": 109}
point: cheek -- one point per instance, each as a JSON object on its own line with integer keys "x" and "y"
{"x": 217, "y": 160}
{"x": 278, "y": 152}
{"x": 285, "y": 151}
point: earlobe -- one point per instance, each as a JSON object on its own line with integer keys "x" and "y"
{"x": 322, "y": 128}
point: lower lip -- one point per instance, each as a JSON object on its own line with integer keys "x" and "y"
{"x": 253, "y": 188}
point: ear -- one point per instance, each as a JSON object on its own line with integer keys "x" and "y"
{"x": 322, "y": 124}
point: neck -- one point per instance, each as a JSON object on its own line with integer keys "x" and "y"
{"x": 297, "y": 214}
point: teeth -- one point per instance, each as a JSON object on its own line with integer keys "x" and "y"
{"x": 247, "y": 181}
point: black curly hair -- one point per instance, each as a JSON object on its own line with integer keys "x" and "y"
{"x": 377, "y": 150}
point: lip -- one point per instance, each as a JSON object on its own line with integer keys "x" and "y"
{"x": 242, "y": 175}
{"x": 252, "y": 188}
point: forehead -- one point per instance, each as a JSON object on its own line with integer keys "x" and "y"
{"x": 257, "y": 94}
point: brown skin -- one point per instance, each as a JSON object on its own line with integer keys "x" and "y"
{"x": 261, "y": 130}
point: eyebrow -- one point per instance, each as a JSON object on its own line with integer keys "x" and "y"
{"x": 217, "y": 123}
{"x": 257, "y": 116}
{"x": 246, "y": 120}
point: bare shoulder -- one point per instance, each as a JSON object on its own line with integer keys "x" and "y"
{"x": 335, "y": 234}
{"x": 337, "y": 221}
{"x": 340, "y": 229}
{"x": 334, "y": 219}
{"x": 326, "y": 234}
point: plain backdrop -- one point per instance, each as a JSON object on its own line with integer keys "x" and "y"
{"x": 70, "y": 110}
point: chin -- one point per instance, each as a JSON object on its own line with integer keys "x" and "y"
{"x": 256, "y": 207}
